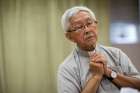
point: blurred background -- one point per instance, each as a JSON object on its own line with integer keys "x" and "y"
{"x": 32, "y": 42}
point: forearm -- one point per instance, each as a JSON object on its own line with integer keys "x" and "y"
{"x": 92, "y": 85}
{"x": 125, "y": 81}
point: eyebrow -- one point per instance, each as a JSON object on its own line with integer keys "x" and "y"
{"x": 89, "y": 18}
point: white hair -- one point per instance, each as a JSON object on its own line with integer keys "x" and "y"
{"x": 71, "y": 12}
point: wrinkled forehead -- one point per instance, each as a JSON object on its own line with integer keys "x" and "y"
{"x": 80, "y": 17}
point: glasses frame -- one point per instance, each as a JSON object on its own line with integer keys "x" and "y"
{"x": 81, "y": 28}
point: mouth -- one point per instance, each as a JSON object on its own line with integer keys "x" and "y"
{"x": 91, "y": 37}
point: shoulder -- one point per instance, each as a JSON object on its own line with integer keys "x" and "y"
{"x": 110, "y": 49}
{"x": 69, "y": 63}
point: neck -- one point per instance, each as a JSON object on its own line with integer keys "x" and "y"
{"x": 90, "y": 48}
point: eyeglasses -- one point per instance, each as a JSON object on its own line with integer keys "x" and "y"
{"x": 80, "y": 28}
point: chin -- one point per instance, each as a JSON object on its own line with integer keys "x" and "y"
{"x": 89, "y": 47}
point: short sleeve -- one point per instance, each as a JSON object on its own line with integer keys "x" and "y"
{"x": 127, "y": 65}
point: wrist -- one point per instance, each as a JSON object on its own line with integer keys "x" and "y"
{"x": 108, "y": 72}
{"x": 98, "y": 77}
{"x": 112, "y": 75}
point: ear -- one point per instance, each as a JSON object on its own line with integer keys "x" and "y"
{"x": 69, "y": 36}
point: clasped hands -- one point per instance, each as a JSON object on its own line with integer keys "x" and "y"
{"x": 98, "y": 65}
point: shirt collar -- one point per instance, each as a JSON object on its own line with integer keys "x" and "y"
{"x": 85, "y": 53}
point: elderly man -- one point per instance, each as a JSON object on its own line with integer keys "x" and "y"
{"x": 91, "y": 67}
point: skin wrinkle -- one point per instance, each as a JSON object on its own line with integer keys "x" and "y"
{"x": 84, "y": 33}
{"x": 87, "y": 32}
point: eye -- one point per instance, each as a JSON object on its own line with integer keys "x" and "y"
{"x": 89, "y": 23}
{"x": 78, "y": 27}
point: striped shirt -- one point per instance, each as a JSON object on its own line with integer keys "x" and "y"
{"x": 74, "y": 72}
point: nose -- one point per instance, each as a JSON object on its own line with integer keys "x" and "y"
{"x": 86, "y": 30}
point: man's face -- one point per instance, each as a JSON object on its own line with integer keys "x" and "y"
{"x": 83, "y": 31}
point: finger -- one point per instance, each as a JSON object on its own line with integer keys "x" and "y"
{"x": 97, "y": 57}
{"x": 95, "y": 64}
{"x": 93, "y": 57}
{"x": 100, "y": 60}
{"x": 91, "y": 53}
